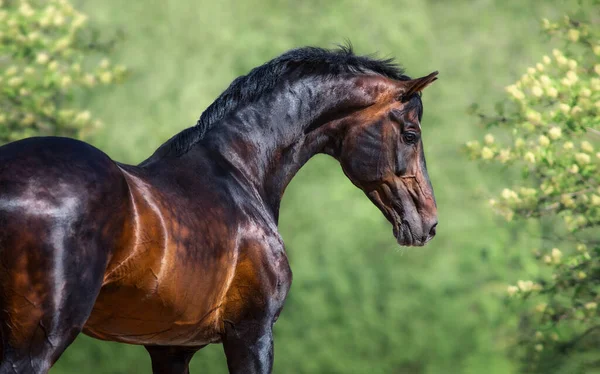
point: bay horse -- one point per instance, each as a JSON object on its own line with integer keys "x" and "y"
{"x": 183, "y": 250}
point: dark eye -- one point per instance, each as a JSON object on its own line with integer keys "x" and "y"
{"x": 410, "y": 137}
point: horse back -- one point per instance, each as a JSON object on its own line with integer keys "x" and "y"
{"x": 61, "y": 182}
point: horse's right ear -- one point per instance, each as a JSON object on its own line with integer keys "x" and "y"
{"x": 413, "y": 86}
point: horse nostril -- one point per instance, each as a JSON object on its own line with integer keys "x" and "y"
{"x": 432, "y": 230}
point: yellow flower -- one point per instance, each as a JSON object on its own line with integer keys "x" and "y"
{"x": 568, "y": 145}
{"x": 537, "y": 91}
{"x": 587, "y": 147}
{"x": 541, "y": 307}
{"x": 26, "y": 10}
{"x": 582, "y": 158}
{"x": 534, "y": 117}
{"x": 596, "y": 49}
{"x": 53, "y": 66}
{"x": 104, "y": 63}
{"x": 529, "y": 157}
{"x": 82, "y": 117}
{"x": 545, "y": 80}
{"x": 565, "y": 108}
{"x": 581, "y": 275}
{"x": 66, "y": 81}
{"x": 573, "y": 35}
{"x": 504, "y": 155}
{"x": 547, "y": 188}
{"x": 489, "y": 139}
{"x": 508, "y": 194}
{"x": 525, "y": 286}
{"x": 33, "y": 36}
{"x": 519, "y": 142}
{"x": 106, "y": 77}
{"x": 11, "y": 71}
{"x": 572, "y": 64}
{"x": 567, "y": 201}
{"x": 42, "y": 58}
{"x": 597, "y": 69}
{"x": 539, "y": 66}
{"x": 15, "y": 81}
{"x": 576, "y": 110}
{"x": 547, "y": 259}
{"x": 562, "y": 60}
{"x": 58, "y": 20}
{"x": 539, "y": 347}
{"x": 515, "y": 92}
{"x": 492, "y": 202}
{"x": 595, "y": 201}
{"x": 50, "y": 10}
{"x": 585, "y": 92}
{"x": 545, "y": 23}
{"x": 591, "y": 305}
{"x": 554, "y": 336}
{"x": 511, "y": 290}
{"x": 486, "y": 153}
{"x": 556, "y": 53}
{"x": 573, "y": 169}
{"x": 555, "y": 132}
{"x": 62, "y": 43}
{"x": 543, "y": 140}
{"x": 556, "y": 255}
{"x": 531, "y": 71}
{"x": 546, "y": 60}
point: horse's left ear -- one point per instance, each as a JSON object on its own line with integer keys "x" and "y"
{"x": 413, "y": 86}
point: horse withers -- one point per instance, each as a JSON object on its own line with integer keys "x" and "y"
{"x": 183, "y": 250}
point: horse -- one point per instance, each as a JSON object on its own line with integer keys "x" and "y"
{"x": 183, "y": 249}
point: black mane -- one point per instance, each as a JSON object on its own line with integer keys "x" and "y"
{"x": 247, "y": 88}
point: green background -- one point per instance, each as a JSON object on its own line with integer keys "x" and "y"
{"x": 358, "y": 303}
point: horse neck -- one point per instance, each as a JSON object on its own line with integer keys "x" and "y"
{"x": 268, "y": 141}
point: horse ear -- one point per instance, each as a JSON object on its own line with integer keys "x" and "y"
{"x": 413, "y": 86}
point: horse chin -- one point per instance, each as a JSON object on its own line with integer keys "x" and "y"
{"x": 403, "y": 234}
{"x": 401, "y": 227}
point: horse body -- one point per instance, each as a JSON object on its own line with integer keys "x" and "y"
{"x": 183, "y": 250}
{"x": 177, "y": 256}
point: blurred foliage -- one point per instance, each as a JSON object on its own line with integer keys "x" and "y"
{"x": 549, "y": 127}
{"x": 358, "y": 304}
{"x": 46, "y": 59}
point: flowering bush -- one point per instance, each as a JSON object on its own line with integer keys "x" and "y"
{"x": 548, "y": 127}
{"x": 44, "y": 64}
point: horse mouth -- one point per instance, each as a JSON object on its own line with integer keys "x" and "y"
{"x": 392, "y": 209}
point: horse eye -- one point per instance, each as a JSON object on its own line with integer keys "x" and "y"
{"x": 410, "y": 137}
